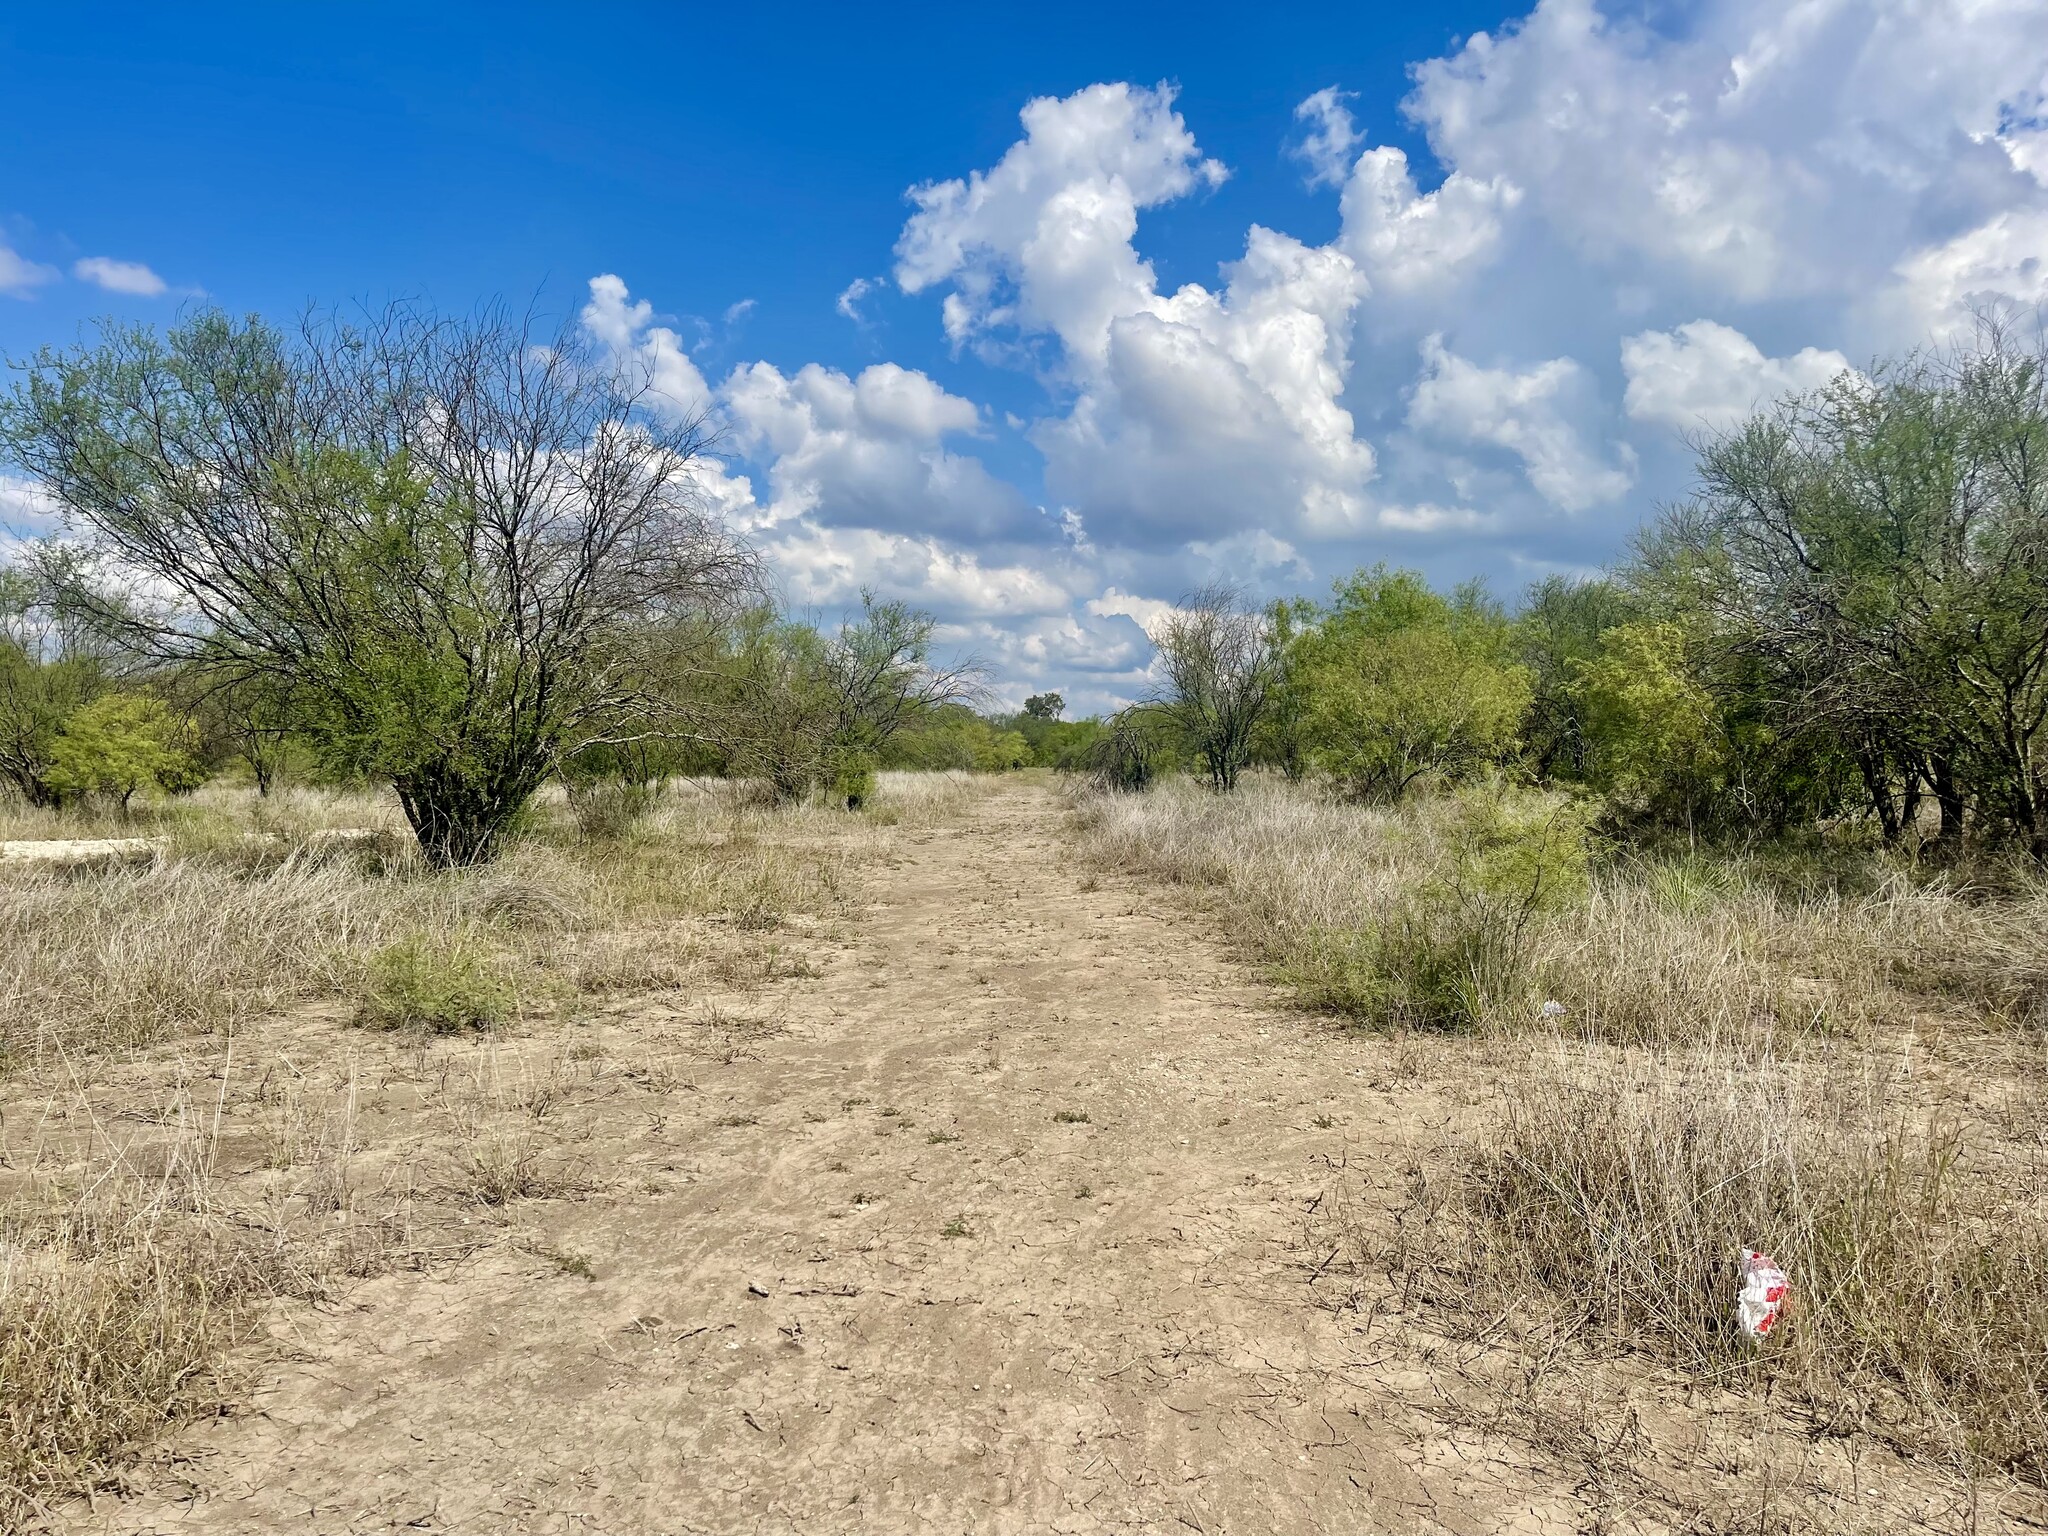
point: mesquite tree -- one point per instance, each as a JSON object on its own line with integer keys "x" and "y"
{"x": 452, "y": 550}
{"x": 1875, "y": 557}
{"x": 49, "y": 668}
{"x": 1219, "y": 663}
{"x": 800, "y": 707}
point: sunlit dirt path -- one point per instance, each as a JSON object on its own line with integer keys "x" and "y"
{"x": 1000, "y": 1222}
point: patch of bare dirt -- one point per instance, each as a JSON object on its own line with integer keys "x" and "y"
{"x": 1009, "y": 1215}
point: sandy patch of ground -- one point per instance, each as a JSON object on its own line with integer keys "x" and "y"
{"x": 76, "y": 851}
{"x": 1006, "y": 1218}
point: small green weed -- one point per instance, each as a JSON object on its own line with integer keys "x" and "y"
{"x": 569, "y": 1263}
{"x": 435, "y": 989}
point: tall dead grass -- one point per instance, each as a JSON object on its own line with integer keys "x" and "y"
{"x": 130, "y": 1266}
{"x": 1679, "y": 949}
{"x": 129, "y": 1272}
{"x": 1751, "y": 1051}
{"x": 1615, "y": 1204}
{"x": 253, "y": 904}
{"x": 107, "y": 1330}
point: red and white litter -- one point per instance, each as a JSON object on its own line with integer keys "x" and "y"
{"x": 1761, "y": 1301}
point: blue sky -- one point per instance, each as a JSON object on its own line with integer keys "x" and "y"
{"x": 1262, "y": 296}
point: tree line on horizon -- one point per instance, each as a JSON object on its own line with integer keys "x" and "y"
{"x": 460, "y": 559}
{"x": 1846, "y": 624}
{"x": 445, "y": 554}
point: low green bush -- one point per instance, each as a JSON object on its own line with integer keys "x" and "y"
{"x": 852, "y": 780}
{"x": 437, "y": 989}
{"x": 1454, "y": 948}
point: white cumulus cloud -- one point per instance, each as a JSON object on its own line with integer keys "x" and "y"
{"x": 1761, "y": 149}
{"x": 1402, "y": 238}
{"x": 871, "y": 451}
{"x": 1704, "y": 374}
{"x": 655, "y": 353}
{"x": 19, "y": 276}
{"x": 2001, "y": 263}
{"x": 1043, "y": 240}
{"x": 129, "y": 277}
{"x": 1190, "y": 408}
{"x": 1328, "y": 146}
{"x": 1630, "y": 219}
{"x": 859, "y": 483}
{"x": 831, "y": 566}
{"x": 1534, "y": 414}
{"x": 850, "y": 298}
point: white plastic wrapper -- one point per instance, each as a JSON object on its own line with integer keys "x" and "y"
{"x": 1761, "y": 1301}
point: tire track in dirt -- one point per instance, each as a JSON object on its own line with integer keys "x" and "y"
{"x": 1023, "y": 1174}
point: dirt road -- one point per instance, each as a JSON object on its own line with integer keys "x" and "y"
{"x": 996, "y": 1223}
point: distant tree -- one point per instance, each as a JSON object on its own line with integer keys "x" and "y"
{"x": 883, "y": 677}
{"x": 249, "y": 721}
{"x": 1006, "y": 751}
{"x": 1219, "y": 662}
{"x": 1654, "y": 731}
{"x": 50, "y": 668}
{"x": 772, "y": 708}
{"x": 1400, "y": 682}
{"x": 447, "y": 544}
{"x": 1558, "y": 631}
{"x": 1131, "y": 750}
{"x": 120, "y": 743}
{"x": 1872, "y": 560}
{"x": 1044, "y": 706}
{"x": 1067, "y": 746}
{"x": 799, "y": 707}
{"x": 1282, "y": 735}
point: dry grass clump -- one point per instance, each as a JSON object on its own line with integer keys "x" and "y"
{"x": 1474, "y": 910}
{"x": 1731, "y": 965}
{"x": 257, "y": 903}
{"x": 1722, "y": 1062}
{"x": 129, "y": 1270}
{"x": 115, "y": 959}
{"x": 107, "y": 1331}
{"x": 920, "y": 799}
{"x": 1428, "y": 915}
{"x": 119, "y": 959}
{"x": 210, "y": 816}
{"x": 1615, "y": 1201}
{"x": 147, "y": 1208}
{"x": 1704, "y": 950}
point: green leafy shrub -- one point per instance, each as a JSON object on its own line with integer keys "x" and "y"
{"x": 1454, "y": 949}
{"x": 1003, "y": 753}
{"x": 1129, "y": 754}
{"x": 436, "y": 989}
{"x": 120, "y": 743}
{"x": 1657, "y": 741}
{"x": 853, "y": 779}
{"x": 1398, "y": 685}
